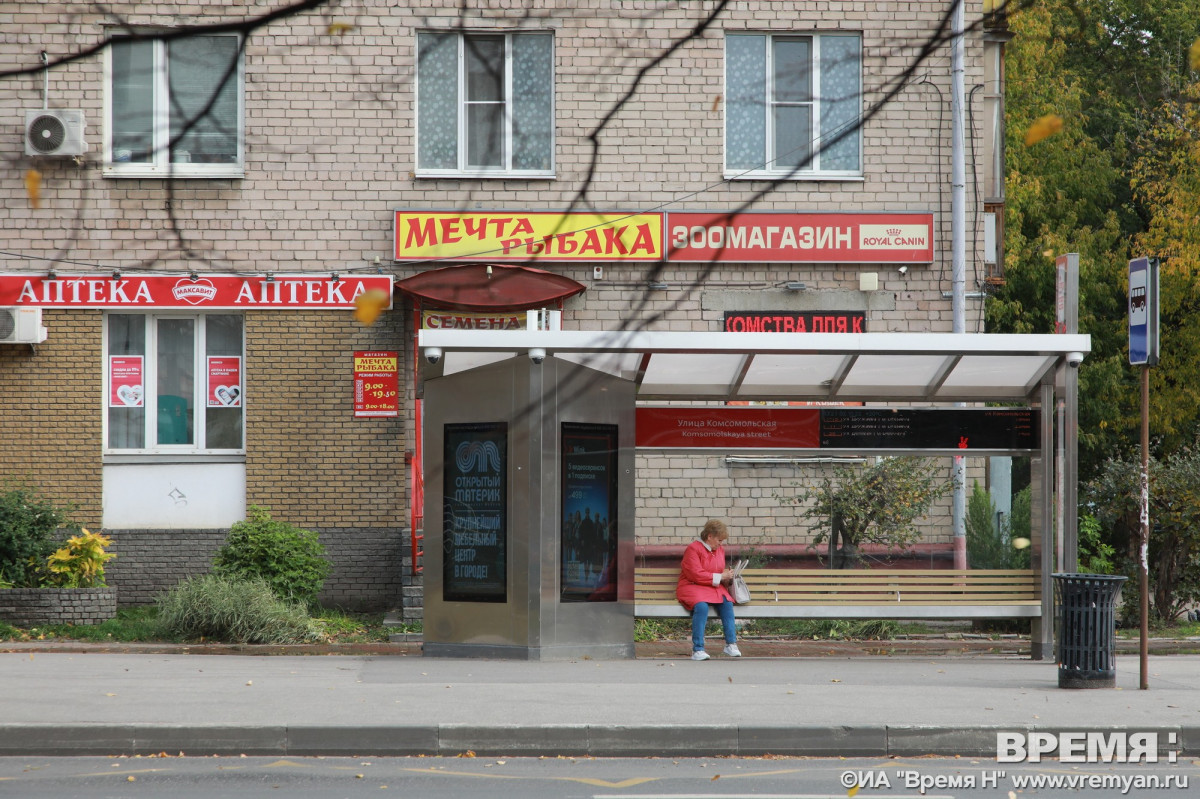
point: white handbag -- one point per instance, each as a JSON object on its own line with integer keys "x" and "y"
{"x": 741, "y": 593}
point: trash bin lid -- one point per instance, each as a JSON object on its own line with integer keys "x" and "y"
{"x": 1103, "y": 578}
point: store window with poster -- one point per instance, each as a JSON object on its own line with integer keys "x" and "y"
{"x": 174, "y": 383}
{"x": 588, "y": 543}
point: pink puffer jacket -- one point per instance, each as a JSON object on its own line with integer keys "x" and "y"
{"x": 696, "y": 576}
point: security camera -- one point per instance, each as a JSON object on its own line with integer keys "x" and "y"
{"x": 433, "y": 354}
{"x": 537, "y": 355}
{"x": 904, "y": 270}
{"x": 1074, "y": 358}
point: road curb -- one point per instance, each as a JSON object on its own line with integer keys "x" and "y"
{"x": 592, "y": 740}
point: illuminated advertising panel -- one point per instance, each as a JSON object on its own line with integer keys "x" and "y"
{"x": 588, "y": 534}
{"x": 475, "y": 512}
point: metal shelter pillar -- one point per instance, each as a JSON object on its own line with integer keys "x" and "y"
{"x": 1041, "y": 633}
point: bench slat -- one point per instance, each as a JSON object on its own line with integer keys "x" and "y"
{"x": 861, "y": 593}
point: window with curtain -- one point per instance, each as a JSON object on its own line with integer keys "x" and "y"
{"x": 794, "y": 105}
{"x": 175, "y": 107}
{"x": 485, "y": 104}
{"x": 993, "y": 121}
{"x": 174, "y": 383}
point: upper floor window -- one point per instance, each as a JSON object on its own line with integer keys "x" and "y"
{"x": 993, "y": 121}
{"x": 485, "y": 104}
{"x": 794, "y": 105}
{"x": 174, "y": 108}
{"x": 174, "y": 383}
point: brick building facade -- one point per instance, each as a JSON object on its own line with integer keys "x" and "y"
{"x": 330, "y": 121}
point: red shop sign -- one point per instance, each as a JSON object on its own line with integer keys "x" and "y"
{"x": 875, "y": 238}
{"x": 376, "y": 384}
{"x": 206, "y": 292}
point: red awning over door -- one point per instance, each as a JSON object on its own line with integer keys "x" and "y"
{"x": 488, "y": 287}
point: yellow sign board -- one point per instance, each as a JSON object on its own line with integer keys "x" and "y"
{"x": 527, "y": 235}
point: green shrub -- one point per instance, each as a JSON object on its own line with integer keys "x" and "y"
{"x": 291, "y": 561}
{"x": 1095, "y": 554}
{"x": 29, "y": 525}
{"x": 234, "y": 610}
{"x": 80, "y": 562}
{"x": 992, "y": 546}
{"x": 876, "y": 503}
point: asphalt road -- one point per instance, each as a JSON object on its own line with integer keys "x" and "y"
{"x": 580, "y": 778}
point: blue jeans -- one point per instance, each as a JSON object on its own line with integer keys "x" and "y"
{"x": 700, "y": 621}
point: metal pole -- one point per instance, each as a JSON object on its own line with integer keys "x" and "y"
{"x": 958, "y": 235}
{"x": 1041, "y": 646}
{"x": 1144, "y": 549}
{"x": 1069, "y": 501}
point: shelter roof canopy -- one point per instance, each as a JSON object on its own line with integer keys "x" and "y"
{"x": 834, "y": 367}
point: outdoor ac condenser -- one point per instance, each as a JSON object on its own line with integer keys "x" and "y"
{"x": 54, "y": 132}
{"x": 21, "y": 326}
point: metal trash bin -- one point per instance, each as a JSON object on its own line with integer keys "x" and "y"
{"x": 1087, "y": 618}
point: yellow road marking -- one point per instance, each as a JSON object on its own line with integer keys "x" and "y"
{"x": 584, "y": 780}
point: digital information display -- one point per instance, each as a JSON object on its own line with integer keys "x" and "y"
{"x": 475, "y": 512}
{"x": 929, "y": 428}
{"x": 795, "y": 321}
{"x": 588, "y": 535}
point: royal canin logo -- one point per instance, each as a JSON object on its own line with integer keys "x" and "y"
{"x": 194, "y": 292}
{"x": 893, "y": 231}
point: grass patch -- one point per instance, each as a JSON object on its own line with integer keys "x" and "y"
{"x": 348, "y": 628}
{"x": 820, "y": 629}
{"x": 801, "y": 629}
{"x": 661, "y": 629}
{"x": 140, "y": 625}
{"x": 130, "y": 625}
{"x": 1159, "y": 629}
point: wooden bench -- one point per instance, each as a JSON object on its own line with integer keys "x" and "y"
{"x": 860, "y": 594}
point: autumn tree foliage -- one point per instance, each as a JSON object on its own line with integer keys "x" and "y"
{"x": 1118, "y": 179}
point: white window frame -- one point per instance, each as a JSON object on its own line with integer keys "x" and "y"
{"x": 150, "y": 378}
{"x": 813, "y": 171}
{"x": 160, "y": 164}
{"x": 462, "y": 170}
{"x": 993, "y": 121}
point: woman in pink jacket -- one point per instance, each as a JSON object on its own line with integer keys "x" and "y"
{"x": 702, "y": 581}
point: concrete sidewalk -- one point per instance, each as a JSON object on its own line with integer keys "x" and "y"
{"x": 58, "y": 703}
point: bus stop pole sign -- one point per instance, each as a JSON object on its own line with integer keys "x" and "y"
{"x": 1143, "y": 311}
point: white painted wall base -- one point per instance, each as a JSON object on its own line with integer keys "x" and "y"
{"x": 173, "y": 496}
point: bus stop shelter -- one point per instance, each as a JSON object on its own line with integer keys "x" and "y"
{"x": 538, "y": 382}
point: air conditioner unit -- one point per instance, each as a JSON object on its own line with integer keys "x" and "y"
{"x": 21, "y": 326}
{"x": 54, "y": 132}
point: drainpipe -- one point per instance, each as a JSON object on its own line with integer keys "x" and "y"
{"x": 958, "y": 246}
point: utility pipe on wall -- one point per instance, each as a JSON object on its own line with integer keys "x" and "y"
{"x": 958, "y": 248}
